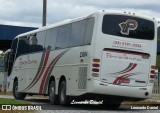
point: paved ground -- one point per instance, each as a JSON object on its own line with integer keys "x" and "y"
{"x": 84, "y": 111}
{"x": 47, "y": 108}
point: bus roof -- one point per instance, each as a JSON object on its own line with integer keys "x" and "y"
{"x": 67, "y": 21}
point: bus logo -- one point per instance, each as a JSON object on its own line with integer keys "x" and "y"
{"x": 6, "y": 107}
{"x": 127, "y": 26}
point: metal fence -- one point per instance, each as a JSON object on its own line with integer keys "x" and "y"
{"x": 156, "y": 89}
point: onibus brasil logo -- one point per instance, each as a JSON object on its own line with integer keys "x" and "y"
{"x": 127, "y": 26}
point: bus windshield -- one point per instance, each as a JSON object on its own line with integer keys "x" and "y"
{"x": 128, "y": 26}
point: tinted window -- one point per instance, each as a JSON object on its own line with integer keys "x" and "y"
{"x": 14, "y": 46}
{"x": 23, "y": 45}
{"x": 78, "y": 33}
{"x": 36, "y": 41}
{"x": 51, "y": 38}
{"x": 127, "y": 26}
{"x": 89, "y": 31}
{"x": 63, "y": 36}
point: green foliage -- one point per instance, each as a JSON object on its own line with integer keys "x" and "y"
{"x": 11, "y": 101}
{"x": 8, "y": 101}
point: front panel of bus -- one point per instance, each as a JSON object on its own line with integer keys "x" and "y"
{"x": 126, "y": 49}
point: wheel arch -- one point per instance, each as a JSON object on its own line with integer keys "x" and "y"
{"x": 15, "y": 79}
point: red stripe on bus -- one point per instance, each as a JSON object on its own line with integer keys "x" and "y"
{"x": 118, "y": 78}
{"x": 129, "y": 69}
{"x": 45, "y": 75}
{"x": 42, "y": 70}
{"x": 39, "y": 69}
{"x": 47, "y": 71}
{"x": 123, "y": 71}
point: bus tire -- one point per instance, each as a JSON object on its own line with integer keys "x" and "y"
{"x": 63, "y": 98}
{"x": 16, "y": 94}
{"x": 52, "y": 93}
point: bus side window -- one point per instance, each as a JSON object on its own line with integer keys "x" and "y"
{"x": 51, "y": 38}
{"x": 63, "y": 36}
{"x": 77, "y": 33}
{"x": 36, "y": 41}
{"x": 9, "y": 58}
{"x": 89, "y": 31}
{"x": 14, "y": 46}
{"x": 41, "y": 37}
{"x": 22, "y": 46}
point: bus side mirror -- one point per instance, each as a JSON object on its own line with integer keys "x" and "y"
{"x": 7, "y": 57}
{"x": 1, "y": 64}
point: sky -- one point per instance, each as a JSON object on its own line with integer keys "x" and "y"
{"x": 29, "y": 12}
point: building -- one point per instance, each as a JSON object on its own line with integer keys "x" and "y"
{"x": 8, "y": 33}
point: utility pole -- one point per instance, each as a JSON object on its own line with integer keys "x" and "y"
{"x": 44, "y": 12}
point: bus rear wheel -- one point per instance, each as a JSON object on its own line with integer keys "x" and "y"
{"x": 16, "y": 94}
{"x": 52, "y": 95}
{"x": 63, "y": 98}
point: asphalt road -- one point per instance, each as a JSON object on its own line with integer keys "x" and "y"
{"x": 48, "y": 108}
{"x": 44, "y": 103}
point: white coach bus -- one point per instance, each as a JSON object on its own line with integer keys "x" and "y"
{"x": 108, "y": 55}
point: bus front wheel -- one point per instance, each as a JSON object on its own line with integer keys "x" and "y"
{"x": 16, "y": 94}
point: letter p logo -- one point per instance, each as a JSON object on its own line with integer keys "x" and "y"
{"x": 127, "y": 26}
